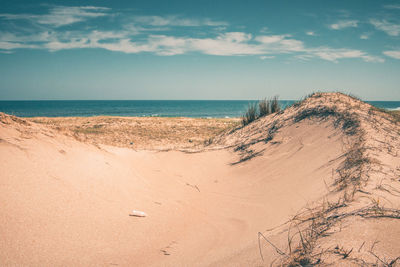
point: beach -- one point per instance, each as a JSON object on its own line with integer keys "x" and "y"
{"x": 316, "y": 183}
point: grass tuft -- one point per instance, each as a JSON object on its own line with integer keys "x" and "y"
{"x": 262, "y": 108}
{"x": 250, "y": 115}
{"x": 274, "y": 105}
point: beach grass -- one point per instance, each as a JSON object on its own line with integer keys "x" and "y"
{"x": 263, "y": 108}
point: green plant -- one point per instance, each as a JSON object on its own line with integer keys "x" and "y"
{"x": 250, "y": 115}
{"x": 264, "y": 107}
{"x": 275, "y": 105}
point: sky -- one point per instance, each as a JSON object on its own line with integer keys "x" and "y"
{"x": 111, "y": 49}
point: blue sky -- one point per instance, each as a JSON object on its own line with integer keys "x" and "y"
{"x": 198, "y": 49}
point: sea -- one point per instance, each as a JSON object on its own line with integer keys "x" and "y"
{"x": 145, "y": 108}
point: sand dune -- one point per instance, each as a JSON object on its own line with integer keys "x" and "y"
{"x": 327, "y": 168}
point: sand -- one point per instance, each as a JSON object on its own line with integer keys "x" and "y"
{"x": 66, "y": 202}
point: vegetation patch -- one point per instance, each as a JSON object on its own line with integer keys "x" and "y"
{"x": 348, "y": 121}
{"x": 262, "y": 108}
{"x": 393, "y": 115}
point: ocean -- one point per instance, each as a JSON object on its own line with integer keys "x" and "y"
{"x": 138, "y": 108}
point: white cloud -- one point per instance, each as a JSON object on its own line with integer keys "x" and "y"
{"x": 364, "y": 36}
{"x": 134, "y": 37}
{"x": 13, "y": 45}
{"x": 392, "y": 6}
{"x": 176, "y": 21}
{"x": 224, "y": 44}
{"x": 344, "y": 24}
{"x": 168, "y": 45}
{"x": 73, "y": 43}
{"x": 369, "y": 58}
{"x": 106, "y": 35}
{"x": 266, "y": 57}
{"x": 389, "y": 28}
{"x": 235, "y": 37}
{"x": 227, "y": 44}
{"x": 6, "y": 51}
{"x": 270, "y": 39}
{"x": 61, "y": 15}
{"x": 393, "y": 53}
{"x": 12, "y": 37}
{"x": 280, "y": 44}
{"x": 310, "y": 33}
{"x": 333, "y": 55}
{"x": 305, "y": 57}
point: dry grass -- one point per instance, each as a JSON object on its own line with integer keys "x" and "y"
{"x": 141, "y": 132}
{"x": 306, "y": 228}
{"x": 394, "y": 115}
{"x": 349, "y": 122}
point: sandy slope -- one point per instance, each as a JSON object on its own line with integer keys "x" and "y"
{"x": 64, "y": 202}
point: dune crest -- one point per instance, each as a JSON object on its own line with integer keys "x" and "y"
{"x": 316, "y": 183}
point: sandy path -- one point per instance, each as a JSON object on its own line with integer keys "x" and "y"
{"x": 67, "y": 203}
